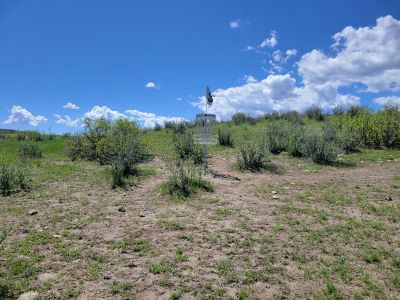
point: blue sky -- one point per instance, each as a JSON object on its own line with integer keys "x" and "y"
{"x": 150, "y": 60}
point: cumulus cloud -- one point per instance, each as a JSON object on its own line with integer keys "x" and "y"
{"x": 249, "y": 78}
{"x": 276, "y": 92}
{"x": 152, "y": 85}
{"x": 390, "y": 100}
{"x": 66, "y": 120}
{"x": 149, "y": 120}
{"x": 367, "y": 55}
{"x": 22, "y": 115}
{"x": 145, "y": 119}
{"x": 71, "y": 105}
{"x": 98, "y": 112}
{"x": 270, "y": 42}
{"x": 234, "y": 24}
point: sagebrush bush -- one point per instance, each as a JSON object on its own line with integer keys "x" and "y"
{"x": 319, "y": 147}
{"x": 157, "y": 127}
{"x": 390, "y": 117}
{"x": 78, "y": 148}
{"x": 185, "y": 179}
{"x": 254, "y": 155}
{"x": 239, "y": 118}
{"x": 278, "y": 136}
{"x": 186, "y": 148}
{"x": 314, "y": 112}
{"x": 349, "y": 140}
{"x": 225, "y": 137}
{"x": 356, "y": 110}
{"x": 28, "y": 150}
{"x": 295, "y": 147}
{"x": 13, "y": 178}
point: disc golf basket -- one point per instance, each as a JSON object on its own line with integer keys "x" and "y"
{"x": 204, "y": 127}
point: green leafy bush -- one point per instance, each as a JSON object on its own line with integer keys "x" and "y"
{"x": 390, "y": 117}
{"x": 239, "y": 118}
{"x": 185, "y": 180}
{"x": 349, "y": 140}
{"x": 295, "y": 147}
{"x": 28, "y": 150}
{"x": 77, "y": 148}
{"x": 278, "y": 135}
{"x": 157, "y": 127}
{"x": 253, "y": 155}
{"x": 225, "y": 137}
{"x": 314, "y": 112}
{"x": 13, "y": 178}
{"x": 186, "y": 149}
{"x": 319, "y": 147}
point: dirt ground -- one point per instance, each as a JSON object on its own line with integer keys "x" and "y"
{"x": 326, "y": 234}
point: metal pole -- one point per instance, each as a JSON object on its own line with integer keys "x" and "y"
{"x": 204, "y": 140}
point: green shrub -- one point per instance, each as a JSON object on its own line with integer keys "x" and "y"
{"x": 314, "y": 112}
{"x": 239, "y": 118}
{"x": 157, "y": 127}
{"x": 13, "y": 179}
{"x": 186, "y": 149}
{"x": 319, "y": 147}
{"x": 253, "y": 155}
{"x": 185, "y": 180}
{"x": 278, "y": 135}
{"x": 338, "y": 110}
{"x": 28, "y": 150}
{"x": 225, "y": 137}
{"x": 356, "y": 110}
{"x": 251, "y": 120}
{"x": 94, "y": 132}
{"x": 77, "y": 148}
{"x": 390, "y": 117}
{"x": 349, "y": 140}
{"x": 293, "y": 117}
{"x": 296, "y": 142}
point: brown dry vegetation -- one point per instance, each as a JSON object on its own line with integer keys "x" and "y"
{"x": 323, "y": 233}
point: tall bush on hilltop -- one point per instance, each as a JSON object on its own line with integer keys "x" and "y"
{"x": 314, "y": 112}
{"x": 239, "y": 118}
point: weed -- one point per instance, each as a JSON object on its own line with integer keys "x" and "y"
{"x": 27, "y": 150}
{"x": 225, "y": 138}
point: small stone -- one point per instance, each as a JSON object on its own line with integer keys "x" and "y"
{"x": 33, "y": 212}
{"x": 275, "y": 197}
{"x": 273, "y": 192}
{"x": 142, "y": 215}
{"x": 121, "y": 209}
{"x": 107, "y": 277}
{"x": 29, "y": 296}
{"x": 46, "y": 277}
{"x": 286, "y": 187}
{"x": 24, "y": 230}
{"x": 56, "y": 236}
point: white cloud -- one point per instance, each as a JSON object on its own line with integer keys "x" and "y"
{"x": 234, "y": 24}
{"x": 276, "y": 92}
{"x": 71, "y": 105}
{"x": 367, "y": 55}
{"x": 149, "y": 120}
{"x": 270, "y": 42}
{"x": 249, "y": 79}
{"x": 66, "y": 120}
{"x": 392, "y": 100}
{"x": 22, "y": 115}
{"x": 152, "y": 85}
{"x": 290, "y": 53}
{"x": 98, "y": 112}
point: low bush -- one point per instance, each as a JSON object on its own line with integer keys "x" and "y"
{"x": 157, "y": 127}
{"x": 225, "y": 137}
{"x": 319, "y": 147}
{"x": 185, "y": 180}
{"x": 253, "y": 155}
{"x": 295, "y": 147}
{"x": 28, "y": 150}
{"x": 278, "y": 136}
{"x": 186, "y": 149}
{"x": 390, "y": 117}
{"x": 77, "y": 148}
{"x": 349, "y": 140}
{"x": 13, "y": 178}
{"x": 239, "y": 118}
{"x": 314, "y": 112}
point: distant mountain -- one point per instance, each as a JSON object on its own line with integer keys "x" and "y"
{"x": 7, "y": 131}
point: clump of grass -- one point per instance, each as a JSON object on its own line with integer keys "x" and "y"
{"x": 13, "y": 178}
{"x": 185, "y": 180}
{"x": 27, "y": 150}
{"x": 253, "y": 155}
{"x": 225, "y": 137}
